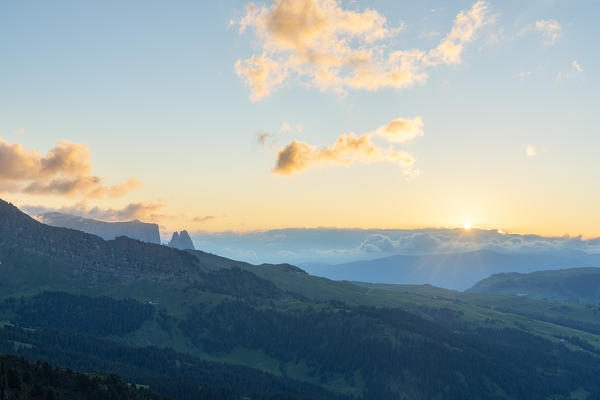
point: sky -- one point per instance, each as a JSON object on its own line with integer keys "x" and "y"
{"x": 239, "y": 116}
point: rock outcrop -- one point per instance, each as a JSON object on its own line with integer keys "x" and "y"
{"x": 182, "y": 241}
{"x": 146, "y": 232}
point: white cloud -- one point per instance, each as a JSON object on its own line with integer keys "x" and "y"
{"x": 326, "y": 46}
{"x": 285, "y": 127}
{"x": 550, "y": 29}
{"x": 524, "y": 74}
{"x": 576, "y": 71}
{"x": 577, "y": 67}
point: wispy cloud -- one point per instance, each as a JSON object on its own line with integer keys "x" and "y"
{"x": 550, "y": 29}
{"x": 575, "y": 71}
{"x": 65, "y": 170}
{"x": 142, "y": 211}
{"x": 577, "y": 67}
{"x": 205, "y": 218}
{"x": 270, "y": 139}
{"x": 329, "y": 47}
{"x": 349, "y": 148}
{"x": 524, "y": 74}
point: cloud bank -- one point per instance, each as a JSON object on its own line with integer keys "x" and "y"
{"x": 65, "y": 170}
{"x": 324, "y": 45}
{"x": 349, "y": 148}
{"x": 331, "y": 245}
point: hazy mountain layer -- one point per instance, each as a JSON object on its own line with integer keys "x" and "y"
{"x": 457, "y": 271}
{"x": 146, "y": 232}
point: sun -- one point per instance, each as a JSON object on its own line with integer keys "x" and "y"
{"x": 467, "y": 225}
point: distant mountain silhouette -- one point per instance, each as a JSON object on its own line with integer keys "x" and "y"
{"x": 40, "y": 254}
{"x": 457, "y": 271}
{"x": 182, "y": 241}
{"x": 146, "y": 232}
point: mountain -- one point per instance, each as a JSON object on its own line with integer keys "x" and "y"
{"x": 182, "y": 241}
{"x": 576, "y": 285}
{"x": 457, "y": 271}
{"x": 135, "y": 229}
{"x": 193, "y": 325}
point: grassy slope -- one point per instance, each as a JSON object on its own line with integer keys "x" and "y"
{"x": 542, "y": 318}
{"x": 577, "y": 285}
{"x": 550, "y": 320}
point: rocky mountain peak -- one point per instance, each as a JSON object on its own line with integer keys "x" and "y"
{"x": 181, "y": 240}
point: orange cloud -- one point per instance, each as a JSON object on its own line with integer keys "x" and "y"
{"x": 205, "y": 218}
{"x": 349, "y": 148}
{"x": 64, "y": 170}
{"x": 331, "y": 47}
{"x": 464, "y": 30}
{"x": 401, "y": 129}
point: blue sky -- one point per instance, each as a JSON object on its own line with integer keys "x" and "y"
{"x": 151, "y": 88}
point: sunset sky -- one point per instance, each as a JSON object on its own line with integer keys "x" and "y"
{"x": 239, "y": 116}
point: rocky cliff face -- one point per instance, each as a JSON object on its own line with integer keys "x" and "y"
{"x": 135, "y": 229}
{"x": 182, "y": 241}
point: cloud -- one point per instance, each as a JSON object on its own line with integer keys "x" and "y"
{"x": 285, "y": 127}
{"x": 326, "y": 46}
{"x": 270, "y": 139}
{"x": 464, "y": 31}
{"x": 349, "y": 148}
{"x": 530, "y": 151}
{"x": 263, "y": 137}
{"x": 550, "y": 29}
{"x": 576, "y": 71}
{"x": 65, "y": 170}
{"x": 524, "y": 74}
{"x": 402, "y": 130}
{"x": 205, "y": 218}
{"x": 262, "y": 74}
{"x": 377, "y": 243}
{"x": 577, "y": 67}
{"x": 142, "y": 211}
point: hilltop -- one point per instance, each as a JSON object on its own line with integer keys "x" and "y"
{"x": 143, "y": 231}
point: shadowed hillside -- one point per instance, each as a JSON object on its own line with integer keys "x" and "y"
{"x": 577, "y": 285}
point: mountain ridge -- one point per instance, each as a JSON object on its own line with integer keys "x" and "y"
{"x": 576, "y": 285}
{"x": 134, "y": 229}
{"x": 457, "y": 271}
